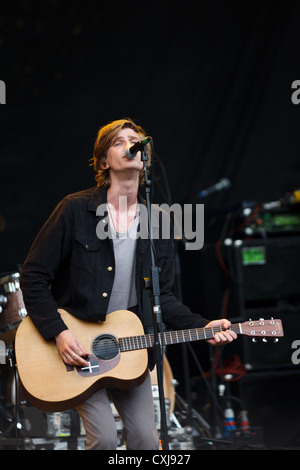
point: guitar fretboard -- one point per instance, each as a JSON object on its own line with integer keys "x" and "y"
{"x": 131, "y": 343}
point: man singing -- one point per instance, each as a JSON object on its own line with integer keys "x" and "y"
{"x": 70, "y": 267}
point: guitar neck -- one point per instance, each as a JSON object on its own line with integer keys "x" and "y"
{"x": 131, "y": 343}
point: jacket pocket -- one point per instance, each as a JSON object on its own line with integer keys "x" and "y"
{"x": 86, "y": 249}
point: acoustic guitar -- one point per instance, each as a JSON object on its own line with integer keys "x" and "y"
{"x": 117, "y": 356}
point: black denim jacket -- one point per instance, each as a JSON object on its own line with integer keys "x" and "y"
{"x": 69, "y": 267}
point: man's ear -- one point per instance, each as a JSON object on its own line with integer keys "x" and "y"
{"x": 104, "y": 166}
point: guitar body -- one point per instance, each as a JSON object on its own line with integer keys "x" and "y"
{"x": 52, "y": 386}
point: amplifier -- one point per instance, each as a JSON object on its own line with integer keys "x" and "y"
{"x": 267, "y": 268}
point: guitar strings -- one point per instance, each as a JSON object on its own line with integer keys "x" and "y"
{"x": 130, "y": 343}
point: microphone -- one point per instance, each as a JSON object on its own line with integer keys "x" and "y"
{"x": 131, "y": 152}
{"x": 224, "y": 183}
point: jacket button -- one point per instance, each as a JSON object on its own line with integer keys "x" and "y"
{"x": 104, "y": 294}
{"x": 109, "y": 268}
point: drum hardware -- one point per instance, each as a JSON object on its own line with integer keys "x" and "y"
{"x": 11, "y": 357}
{"x": 2, "y": 352}
{"x": 11, "y": 285}
{"x": 9, "y": 408}
{"x": 12, "y": 305}
{"x": 3, "y": 302}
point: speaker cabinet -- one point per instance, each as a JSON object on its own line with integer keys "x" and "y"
{"x": 268, "y": 269}
{"x": 266, "y": 275}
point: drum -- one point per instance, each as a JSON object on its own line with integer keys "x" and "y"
{"x": 13, "y": 309}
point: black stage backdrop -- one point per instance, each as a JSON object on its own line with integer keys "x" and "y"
{"x": 211, "y": 82}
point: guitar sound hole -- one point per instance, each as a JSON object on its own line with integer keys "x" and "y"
{"x": 105, "y": 347}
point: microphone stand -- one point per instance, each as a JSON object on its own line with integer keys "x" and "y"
{"x": 156, "y": 314}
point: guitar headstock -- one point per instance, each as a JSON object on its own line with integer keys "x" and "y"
{"x": 263, "y": 328}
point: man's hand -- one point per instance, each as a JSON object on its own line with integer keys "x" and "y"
{"x": 70, "y": 349}
{"x": 222, "y": 337}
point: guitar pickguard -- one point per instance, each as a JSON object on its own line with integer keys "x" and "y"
{"x": 96, "y": 366}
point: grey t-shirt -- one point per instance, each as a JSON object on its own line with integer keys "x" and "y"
{"x": 123, "y": 294}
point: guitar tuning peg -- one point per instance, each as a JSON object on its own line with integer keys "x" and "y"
{"x": 254, "y": 340}
{"x": 265, "y": 340}
{"x": 275, "y": 340}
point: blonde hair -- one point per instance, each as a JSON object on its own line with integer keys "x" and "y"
{"x": 106, "y": 135}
